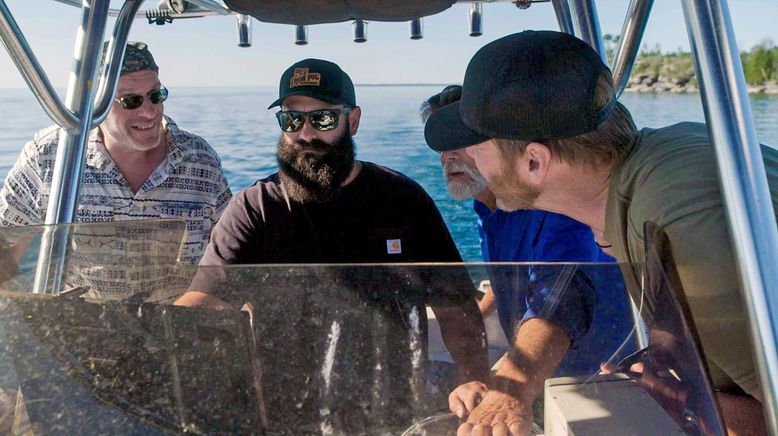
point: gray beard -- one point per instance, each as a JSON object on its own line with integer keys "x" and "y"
{"x": 463, "y": 189}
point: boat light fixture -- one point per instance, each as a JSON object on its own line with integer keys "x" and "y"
{"x": 475, "y": 16}
{"x": 416, "y": 28}
{"x": 301, "y": 35}
{"x": 244, "y": 30}
{"x": 360, "y": 30}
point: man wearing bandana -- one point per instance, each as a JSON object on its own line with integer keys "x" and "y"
{"x": 139, "y": 165}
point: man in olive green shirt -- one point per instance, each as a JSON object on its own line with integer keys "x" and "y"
{"x": 553, "y": 137}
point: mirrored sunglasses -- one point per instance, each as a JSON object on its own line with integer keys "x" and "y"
{"x": 321, "y": 120}
{"x": 134, "y": 101}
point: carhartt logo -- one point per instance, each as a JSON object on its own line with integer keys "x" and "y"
{"x": 394, "y": 246}
{"x": 302, "y": 77}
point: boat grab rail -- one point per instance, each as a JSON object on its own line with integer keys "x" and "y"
{"x": 204, "y": 8}
{"x": 38, "y": 81}
{"x": 32, "y": 72}
{"x": 629, "y": 43}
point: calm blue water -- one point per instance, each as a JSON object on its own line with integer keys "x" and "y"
{"x": 244, "y": 133}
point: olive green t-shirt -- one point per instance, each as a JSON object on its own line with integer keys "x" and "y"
{"x": 670, "y": 178}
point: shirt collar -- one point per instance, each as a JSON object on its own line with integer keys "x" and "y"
{"x": 481, "y": 209}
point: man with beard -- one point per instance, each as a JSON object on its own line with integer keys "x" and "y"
{"x": 518, "y": 236}
{"x": 561, "y": 142}
{"x": 323, "y": 206}
{"x": 588, "y": 325}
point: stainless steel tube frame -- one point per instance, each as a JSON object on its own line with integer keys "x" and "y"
{"x": 587, "y": 25}
{"x": 109, "y": 78}
{"x": 191, "y": 12}
{"x": 31, "y": 70}
{"x": 563, "y": 16}
{"x": 629, "y": 44}
{"x": 743, "y": 180}
{"x": 38, "y": 81}
{"x": 71, "y": 150}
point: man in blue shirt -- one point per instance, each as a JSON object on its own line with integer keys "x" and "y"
{"x": 559, "y": 326}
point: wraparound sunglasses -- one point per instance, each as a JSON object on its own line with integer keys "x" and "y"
{"x": 134, "y": 101}
{"x": 321, "y": 120}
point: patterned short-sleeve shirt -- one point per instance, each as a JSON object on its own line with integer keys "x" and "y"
{"x": 188, "y": 185}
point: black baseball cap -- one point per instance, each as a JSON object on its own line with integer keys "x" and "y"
{"x": 533, "y": 85}
{"x": 319, "y": 79}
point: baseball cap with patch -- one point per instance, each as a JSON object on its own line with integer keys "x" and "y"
{"x": 533, "y": 85}
{"x": 137, "y": 57}
{"x": 319, "y": 79}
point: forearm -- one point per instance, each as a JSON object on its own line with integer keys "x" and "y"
{"x": 201, "y": 299}
{"x": 539, "y": 348}
{"x": 487, "y": 304}
{"x": 463, "y": 333}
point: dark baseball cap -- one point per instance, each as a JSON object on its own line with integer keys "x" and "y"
{"x": 445, "y": 106}
{"x": 319, "y": 79}
{"x": 533, "y": 85}
{"x": 137, "y": 57}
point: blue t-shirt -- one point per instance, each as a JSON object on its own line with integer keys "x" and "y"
{"x": 588, "y": 302}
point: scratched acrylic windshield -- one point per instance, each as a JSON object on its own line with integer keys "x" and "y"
{"x": 317, "y": 349}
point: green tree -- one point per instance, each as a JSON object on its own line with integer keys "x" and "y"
{"x": 611, "y": 43}
{"x": 761, "y": 63}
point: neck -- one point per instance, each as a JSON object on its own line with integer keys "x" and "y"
{"x": 488, "y": 198}
{"x": 136, "y": 165}
{"x": 580, "y": 193}
{"x": 353, "y": 174}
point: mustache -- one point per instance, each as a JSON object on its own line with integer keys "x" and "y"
{"x": 462, "y": 189}
{"x": 461, "y": 167}
{"x": 315, "y": 144}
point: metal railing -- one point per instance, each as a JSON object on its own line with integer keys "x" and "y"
{"x": 744, "y": 184}
{"x": 722, "y": 86}
{"x": 629, "y": 43}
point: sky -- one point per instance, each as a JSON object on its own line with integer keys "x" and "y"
{"x": 204, "y": 51}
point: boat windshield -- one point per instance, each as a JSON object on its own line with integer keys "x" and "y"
{"x": 323, "y": 349}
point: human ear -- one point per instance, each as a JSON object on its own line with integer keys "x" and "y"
{"x": 536, "y": 159}
{"x": 353, "y": 119}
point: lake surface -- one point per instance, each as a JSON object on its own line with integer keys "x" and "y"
{"x": 237, "y": 124}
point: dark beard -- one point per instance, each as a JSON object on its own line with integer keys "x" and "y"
{"x": 311, "y": 177}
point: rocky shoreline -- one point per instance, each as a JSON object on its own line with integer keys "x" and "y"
{"x": 648, "y": 84}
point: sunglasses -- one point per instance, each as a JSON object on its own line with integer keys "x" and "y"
{"x": 321, "y": 120}
{"x": 134, "y": 101}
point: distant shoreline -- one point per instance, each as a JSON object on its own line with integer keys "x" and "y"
{"x": 648, "y": 85}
